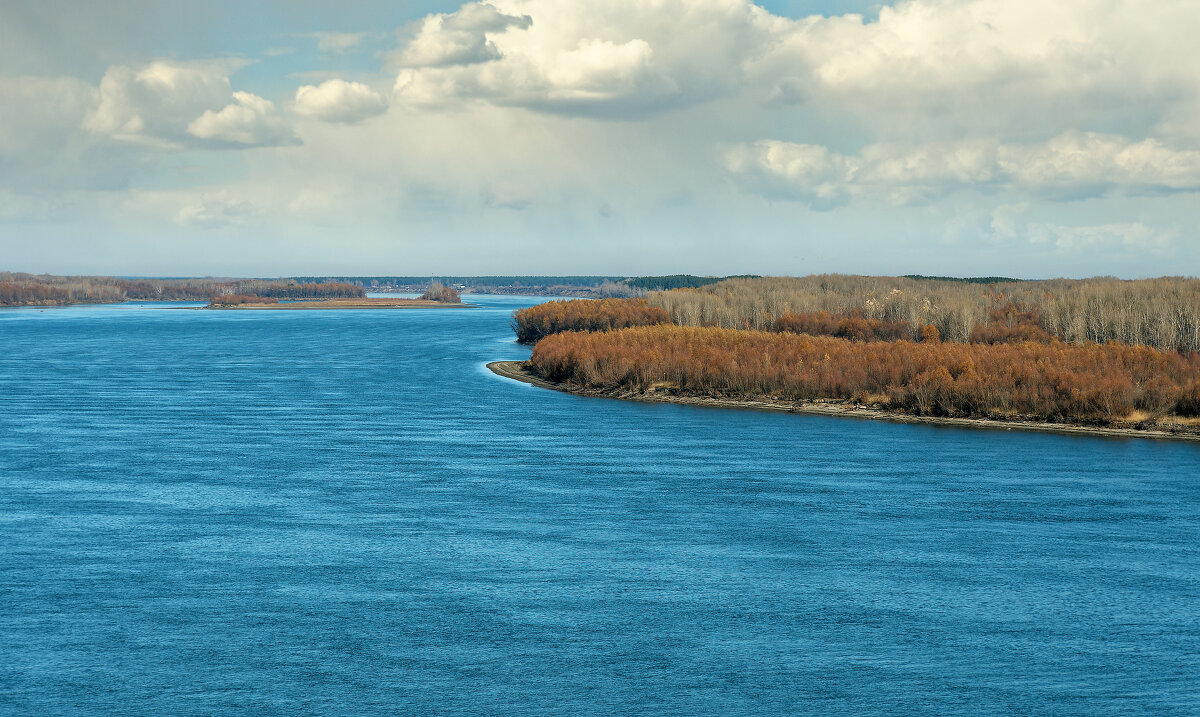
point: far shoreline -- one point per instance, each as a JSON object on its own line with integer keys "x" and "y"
{"x": 517, "y": 371}
{"x": 342, "y": 304}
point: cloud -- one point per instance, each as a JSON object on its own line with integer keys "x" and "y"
{"x": 458, "y": 38}
{"x": 1011, "y": 222}
{"x": 988, "y": 62}
{"x": 213, "y": 211}
{"x": 924, "y": 67}
{"x": 508, "y": 195}
{"x": 178, "y": 104}
{"x": 40, "y": 113}
{"x": 40, "y": 109}
{"x": 617, "y": 60}
{"x": 920, "y": 119}
{"x": 42, "y": 145}
{"x": 27, "y": 208}
{"x": 1073, "y": 165}
{"x": 1118, "y": 237}
{"x": 339, "y": 101}
{"x": 804, "y": 172}
{"x": 1080, "y": 164}
{"x": 337, "y": 43}
{"x": 597, "y": 78}
{"x": 1008, "y": 220}
{"x": 248, "y": 121}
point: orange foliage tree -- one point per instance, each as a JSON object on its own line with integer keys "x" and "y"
{"x": 852, "y": 325}
{"x": 537, "y": 322}
{"x": 1010, "y": 323}
{"x": 1055, "y": 381}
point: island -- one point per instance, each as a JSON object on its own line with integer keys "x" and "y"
{"x": 1097, "y": 356}
{"x": 438, "y": 296}
{"x": 362, "y": 303}
{"x": 522, "y": 371}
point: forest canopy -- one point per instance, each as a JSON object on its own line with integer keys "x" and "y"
{"x": 537, "y": 322}
{"x": 1094, "y": 351}
{"x": 18, "y": 289}
{"x": 1097, "y": 383}
{"x": 676, "y": 281}
{"x": 1163, "y": 313}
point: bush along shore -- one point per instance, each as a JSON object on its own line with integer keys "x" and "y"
{"x": 1011, "y": 367}
{"x": 48, "y": 290}
{"x": 521, "y": 371}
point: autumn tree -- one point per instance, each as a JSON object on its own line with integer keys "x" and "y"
{"x": 1056, "y": 381}
{"x": 537, "y": 322}
{"x": 439, "y": 292}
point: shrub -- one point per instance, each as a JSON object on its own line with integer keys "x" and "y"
{"x": 439, "y": 292}
{"x": 853, "y": 326}
{"x": 239, "y": 299}
{"x": 1054, "y": 381}
{"x": 537, "y": 322}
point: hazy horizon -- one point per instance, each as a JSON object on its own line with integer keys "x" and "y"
{"x": 533, "y": 137}
{"x": 449, "y": 276}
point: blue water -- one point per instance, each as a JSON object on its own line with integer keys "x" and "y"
{"x": 345, "y": 513}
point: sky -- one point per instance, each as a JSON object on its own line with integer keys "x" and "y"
{"x": 627, "y": 137}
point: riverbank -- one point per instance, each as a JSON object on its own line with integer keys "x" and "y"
{"x": 517, "y": 370}
{"x": 368, "y": 303}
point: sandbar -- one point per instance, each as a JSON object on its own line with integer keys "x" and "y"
{"x": 368, "y": 303}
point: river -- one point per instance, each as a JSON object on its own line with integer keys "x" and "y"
{"x": 345, "y": 512}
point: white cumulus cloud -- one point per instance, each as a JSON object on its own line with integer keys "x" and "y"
{"x": 1073, "y": 165}
{"x": 1066, "y": 129}
{"x": 618, "y": 60}
{"x": 183, "y": 104}
{"x": 923, "y": 66}
{"x": 1009, "y": 66}
{"x": 247, "y": 121}
{"x": 458, "y": 38}
{"x": 339, "y": 101}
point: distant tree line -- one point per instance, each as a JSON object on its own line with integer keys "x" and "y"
{"x": 677, "y": 281}
{"x": 467, "y": 281}
{"x": 290, "y": 289}
{"x": 19, "y": 293}
{"x": 966, "y": 279}
{"x": 239, "y": 299}
{"x": 1162, "y": 313}
{"x": 18, "y": 289}
{"x": 47, "y": 290}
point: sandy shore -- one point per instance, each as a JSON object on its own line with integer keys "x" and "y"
{"x": 516, "y": 370}
{"x": 370, "y": 303}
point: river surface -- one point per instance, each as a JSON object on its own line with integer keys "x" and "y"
{"x": 345, "y": 513}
